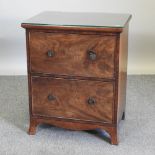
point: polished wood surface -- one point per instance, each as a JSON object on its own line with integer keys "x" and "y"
{"x": 72, "y": 54}
{"x": 122, "y": 74}
{"x": 73, "y": 29}
{"x": 71, "y": 99}
{"x": 77, "y": 76}
{"x": 74, "y": 125}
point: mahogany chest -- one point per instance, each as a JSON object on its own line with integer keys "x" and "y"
{"x": 77, "y": 65}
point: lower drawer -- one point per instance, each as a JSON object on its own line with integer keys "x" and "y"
{"x": 72, "y": 99}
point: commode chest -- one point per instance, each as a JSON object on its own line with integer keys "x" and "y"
{"x": 77, "y": 66}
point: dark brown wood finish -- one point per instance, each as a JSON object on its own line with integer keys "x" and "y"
{"x": 72, "y": 54}
{"x": 73, "y": 125}
{"x": 123, "y": 53}
{"x": 73, "y": 99}
{"x": 73, "y": 28}
{"x": 72, "y": 88}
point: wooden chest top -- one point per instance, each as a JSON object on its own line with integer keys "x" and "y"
{"x": 78, "y": 20}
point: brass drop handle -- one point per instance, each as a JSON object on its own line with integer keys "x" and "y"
{"x": 92, "y": 55}
{"x": 51, "y": 97}
{"x": 91, "y": 101}
{"x": 50, "y": 53}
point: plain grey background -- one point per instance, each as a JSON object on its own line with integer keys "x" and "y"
{"x": 141, "y": 35}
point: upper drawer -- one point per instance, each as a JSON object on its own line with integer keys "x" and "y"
{"x": 72, "y": 54}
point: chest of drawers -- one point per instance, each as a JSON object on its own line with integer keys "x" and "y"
{"x": 77, "y": 70}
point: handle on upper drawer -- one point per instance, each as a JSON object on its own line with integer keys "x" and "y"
{"x": 50, "y": 53}
{"x": 92, "y": 55}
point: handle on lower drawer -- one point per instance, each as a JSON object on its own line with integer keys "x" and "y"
{"x": 51, "y": 97}
{"x": 91, "y": 101}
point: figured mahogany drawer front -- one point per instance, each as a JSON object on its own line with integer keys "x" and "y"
{"x": 72, "y": 54}
{"x": 72, "y": 99}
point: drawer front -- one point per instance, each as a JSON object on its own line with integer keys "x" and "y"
{"x": 72, "y": 54}
{"x": 72, "y": 99}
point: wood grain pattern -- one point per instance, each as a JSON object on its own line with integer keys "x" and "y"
{"x": 71, "y": 54}
{"x": 72, "y": 78}
{"x": 73, "y": 28}
{"x": 71, "y": 99}
{"x": 112, "y": 130}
